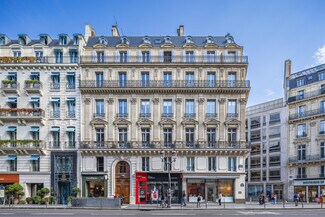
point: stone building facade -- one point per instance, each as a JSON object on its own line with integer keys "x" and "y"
{"x": 305, "y": 91}
{"x": 144, "y": 95}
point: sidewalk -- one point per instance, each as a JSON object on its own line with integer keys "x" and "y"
{"x": 189, "y": 206}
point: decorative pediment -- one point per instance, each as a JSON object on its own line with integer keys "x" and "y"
{"x": 99, "y": 45}
{"x": 145, "y": 45}
{"x": 189, "y": 121}
{"x": 301, "y": 141}
{"x": 121, "y": 121}
{"x": 144, "y": 121}
{"x": 98, "y": 121}
{"x": 167, "y": 121}
{"x": 232, "y": 122}
{"x": 122, "y": 46}
{"x": 167, "y": 45}
{"x": 232, "y": 45}
{"x": 211, "y": 121}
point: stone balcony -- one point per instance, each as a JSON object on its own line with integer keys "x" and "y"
{"x": 22, "y": 115}
{"x": 22, "y": 147}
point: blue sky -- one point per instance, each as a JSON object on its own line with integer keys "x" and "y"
{"x": 271, "y": 31}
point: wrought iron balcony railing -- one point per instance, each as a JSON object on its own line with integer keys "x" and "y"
{"x": 302, "y": 135}
{"x": 8, "y": 85}
{"x": 71, "y": 114}
{"x": 33, "y": 85}
{"x": 122, "y": 115}
{"x": 21, "y": 113}
{"x": 145, "y": 115}
{"x": 301, "y": 176}
{"x": 55, "y": 145}
{"x": 21, "y": 144}
{"x": 189, "y": 115}
{"x": 70, "y": 145}
{"x": 182, "y": 59}
{"x": 167, "y": 115}
{"x": 55, "y": 114}
{"x": 306, "y": 158}
{"x": 55, "y": 86}
{"x": 165, "y": 84}
{"x": 232, "y": 115}
{"x": 99, "y": 115}
{"x": 306, "y": 95}
{"x": 39, "y": 60}
{"x": 161, "y": 145}
{"x": 71, "y": 86}
{"x": 306, "y": 114}
{"x": 210, "y": 115}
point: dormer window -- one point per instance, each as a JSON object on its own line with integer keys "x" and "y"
{"x": 124, "y": 40}
{"x": 76, "y": 40}
{"x": 229, "y": 39}
{"x": 210, "y": 40}
{"x": 188, "y": 40}
{"x": 63, "y": 40}
{"x": 103, "y": 40}
{"x": 2, "y": 40}
{"x": 146, "y": 40}
{"x": 168, "y": 40}
{"x": 44, "y": 40}
{"x": 22, "y": 40}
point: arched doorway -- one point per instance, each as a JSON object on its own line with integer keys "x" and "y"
{"x": 122, "y": 180}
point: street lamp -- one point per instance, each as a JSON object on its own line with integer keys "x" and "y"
{"x": 169, "y": 166}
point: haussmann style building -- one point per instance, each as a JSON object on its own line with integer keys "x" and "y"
{"x": 141, "y": 95}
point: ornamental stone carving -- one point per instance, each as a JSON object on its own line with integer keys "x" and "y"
{"x": 110, "y": 101}
{"x": 87, "y": 101}
{"x": 243, "y": 101}
{"x": 222, "y": 100}
{"x": 201, "y": 101}
{"x": 313, "y": 123}
{"x": 178, "y": 100}
{"x": 155, "y": 101}
{"x": 134, "y": 101}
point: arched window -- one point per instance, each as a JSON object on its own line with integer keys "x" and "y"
{"x": 102, "y": 40}
{"x": 188, "y": 40}
{"x": 168, "y": 40}
{"x": 210, "y": 40}
{"x": 124, "y": 40}
{"x": 146, "y": 40}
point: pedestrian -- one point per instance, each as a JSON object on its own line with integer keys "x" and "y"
{"x": 162, "y": 203}
{"x": 122, "y": 199}
{"x": 274, "y": 199}
{"x": 296, "y": 198}
{"x": 220, "y": 199}
{"x": 198, "y": 204}
{"x": 320, "y": 199}
{"x": 184, "y": 199}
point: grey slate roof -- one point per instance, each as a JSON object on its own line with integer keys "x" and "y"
{"x": 135, "y": 41}
{"x": 54, "y": 42}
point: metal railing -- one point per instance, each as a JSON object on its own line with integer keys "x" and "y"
{"x": 22, "y": 112}
{"x": 33, "y": 86}
{"x": 182, "y": 59}
{"x": 55, "y": 145}
{"x": 307, "y": 114}
{"x": 55, "y": 114}
{"x": 167, "y": 115}
{"x": 145, "y": 115}
{"x": 20, "y": 144}
{"x": 99, "y": 115}
{"x": 122, "y": 115}
{"x": 306, "y": 95}
{"x": 160, "y": 145}
{"x": 71, "y": 86}
{"x": 301, "y": 135}
{"x": 164, "y": 84}
{"x": 39, "y": 60}
{"x": 189, "y": 115}
{"x": 55, "y": 86}
{"x": 71, "y": 114}
{"x": 10, "y": 86}
{"x": 232, "y": 115}
{"x": 70, "y": 144}
{"x": 306, "y": 158}
{"x": 210, "y": 115}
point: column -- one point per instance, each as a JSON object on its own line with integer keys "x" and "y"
{"x": 133, "y": 115}
{"x": 222, "y": 118}
{"x": 201, "y": 115}
{"x": 111, "y": 115}
{"x": 156, "y": 114}
{"x": 179, "y": 115}
{"x": 87, "y": 117}
{"x": 242, "y": 116}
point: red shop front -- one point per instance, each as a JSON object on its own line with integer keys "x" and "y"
{"x": 142, "y": 188}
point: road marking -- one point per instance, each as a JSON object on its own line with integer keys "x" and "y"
{"x": 172, "y": 214}
{"x": 6, "y": 213}
{"x": 44, "y": 214}
{"x": 259, "y": 213}
{"x": 111, "y": 214}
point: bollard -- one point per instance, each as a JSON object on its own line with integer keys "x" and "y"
{"x": 264, "y": 205}
{"x": 321, "y": 204}
{"x": 224, "y": 203}
{"x": 206, "y": 204}
{"x": 302, "y": 204}
{"x": 283, "y": 203}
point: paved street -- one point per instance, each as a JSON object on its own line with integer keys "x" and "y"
{"x": 75, "y": 212}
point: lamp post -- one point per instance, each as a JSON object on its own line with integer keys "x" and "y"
{"x": 169, "y": 166}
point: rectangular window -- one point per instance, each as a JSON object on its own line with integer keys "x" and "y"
{"x": 211, "y": 78}
{"x": 167, "y": 79}
{"x": 122, "y": 79}
{"x": 100, "y": 57}
{"x": 71, "y": 137}
{"x": 100, "y": 164}
{"x": 71, "y": 80}
{"x": 190, "y": 164}
{"x": 71, "y": 113}
{"x": 211, "y": 137}
{"x": 232, "y": 164}
{"x": 123, "y": 108}
{"x": 301, "y": 152}
{"x": 232, "y": 137}
{"x": 17, "y": 53}
{"x": 300, "y": 94}
{"x": 167, "y": 56}
{"x": 168, "y": 139}
{"x": 73, "y": 56}
{"x": 322, "y": 172}
{"x": 232, "y": 108}
{"x": 145, "y": 136}
{"x": 63, "y": 40}
{"x": 35, "y": 164}
{"x": 300, "y": 82}
{"x": 301, "y": 173}
{"x": 321, "y": 76}
{"x": 211, "y": 56}
{"x": 168, "y": 108}
{"x": 231, "y": 79}
{"x": 145, "y": 164}
{"x": 55, "y": 107}
{"x": 211, "y": 108}
{"x": 39, "y": 56}
{"x": 301, "y": 111}
{"x": 123, "y": 57}
{"x": 55, "y": 78}
{"x": 145, "y": 108}
{"x": 100, "y": 108}
{"x": 189, "y": 108}
{"x": 322, "y": 150}
{"x": 13, "y": 163}
{"x": 145, "y": 79}
{"x": 189, "y": 56}
{"x": 301, "y": 130}
{"x": 189, "y": 79}
{"x": 99, "y": 79}
{"x": 167, "y": 164}
{"x": 322, "y": 106}
{"x": 212, "y": 163}
{"x": 145, "y": 57}
{"x": 322, "y": 127}
{"x": 189, "y": 136}
{"x": 100, "y": 137}
{"x": 58, "y": 57}
{"x": 56, "y": 138}
{"x": 123, "y": 137}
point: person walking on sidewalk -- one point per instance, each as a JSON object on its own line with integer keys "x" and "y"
{"x": 220, "y": 199}
{"x": 184, "y": 199}
{"x": 274, "y": 199}
{"x": 198, "y": 204}
{"x": 296, "y": 198}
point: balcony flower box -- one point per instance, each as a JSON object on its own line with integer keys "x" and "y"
{"x": 8, "y": 81}
{"x": 32, "y": 82}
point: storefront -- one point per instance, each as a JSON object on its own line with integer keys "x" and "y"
{"x": 254, "y": 191}
{"x": 94, "y": 185}
{"x": 34, "y": 182}
{"x": 309, "y": 189}
{"x": 146, "y": 183}
{"x": 210, "y": 189}
{"x": 8, "y": 179}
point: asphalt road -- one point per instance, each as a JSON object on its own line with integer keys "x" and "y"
{"x": 157, "y": 213}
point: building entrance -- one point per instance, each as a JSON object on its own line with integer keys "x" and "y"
{"x": 122, "y": 181}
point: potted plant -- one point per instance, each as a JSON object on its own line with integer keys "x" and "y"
{"x": 70, "y": 200}
{"x": 8, "y": 81}
{"x": 29, "y": 200}
{"x": 37, "y": 200}
{"x": 52, "y": 200}
{"x": 22, "y": 202}
{"x": 14, "y": 191}
{"x": 75, "y": 192}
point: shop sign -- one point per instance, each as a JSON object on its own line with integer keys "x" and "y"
{"x": 91, "y": 178}
{"x": 309, "y": 182}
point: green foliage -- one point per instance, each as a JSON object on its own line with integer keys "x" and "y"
{"x": 52, "y": 199}
{"x": 75, "y": 191}
{"x": 37, "y": 200}
{"x": 70, "y": 198}
{"x": 15, "y": 190}
{"x": 22, "y": 202}
{"x": 29, "y": 200}
{"x": 45, "y": 200}
{"x": 41, "y": 193}
{"x": 32, "y": 82}
{"x": 8, "y": 81}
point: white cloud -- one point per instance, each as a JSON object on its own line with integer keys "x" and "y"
{"x": 269, "y": 92}
{"x": 320, "y": 55}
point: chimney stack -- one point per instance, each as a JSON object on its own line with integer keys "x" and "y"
{"x": 287, "y": 68}
{"x": 180, "y": 30}
{"x": 89, "y": 31}
{"x": 115, "y": 31}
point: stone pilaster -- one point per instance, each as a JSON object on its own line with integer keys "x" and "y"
{"x": 242, "y": 116}
{"x": 87, "y": 114}
{"x": 156, "y": 115}
{"x": 222, "y": 117}
{"x": 201, "y": 116}
{"x": 134, "y": 116}
{"x": 179, "y": 115}
{"x": 111, "y": 112}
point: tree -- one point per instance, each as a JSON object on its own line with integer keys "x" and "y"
{"x": 75, "y": 191}
{"x": 14, "y": 190}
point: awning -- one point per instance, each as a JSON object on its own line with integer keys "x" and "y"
{"x": 73, "y": 49}
{"x": 55, "y": 100}
{"x": 12, "y": 73}
{"x": 70, "y": 129}
{"x": 70, "y": 73}
{"x": 11, "y": 157}
{"x": 11, "y": 129}
{"x": 55, "y": 73}
{"x": 11, "y": 100}
{"x": 71, "y": 99}
{"x": 34, "y": 73}
{"x": 34, "y": 100}
{"x": 34, "y": 157}
{"x": 34, "y": 129}
{"x": 57, "y": 49}
{"x": 55, "y": 129}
